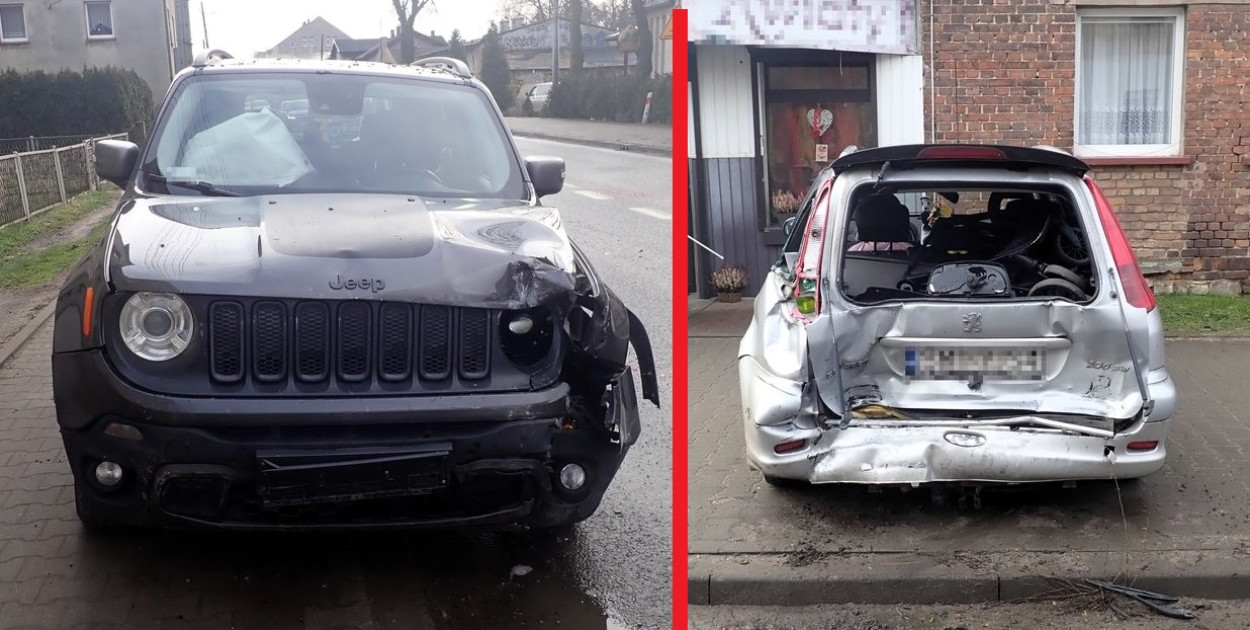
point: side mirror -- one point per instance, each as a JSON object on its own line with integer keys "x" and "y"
{"x": 789, "y": 225}
{"x": 115, "y": 160}
{"x": 546, "y": 173}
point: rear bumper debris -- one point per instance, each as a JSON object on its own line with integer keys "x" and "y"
{"x": 879, "y": 453}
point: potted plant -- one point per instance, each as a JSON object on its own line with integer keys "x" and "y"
{"x": 729, "y": 281}
{"x": 785, "y": 202}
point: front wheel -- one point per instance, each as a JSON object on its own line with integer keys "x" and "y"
{"x": 91, "y": 514}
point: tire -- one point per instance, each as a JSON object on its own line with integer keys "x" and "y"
{"x": 1056, "y": 271}
{"x": 92, "y": 517}
{"x": 1070, "y": 253}
{"x": 1056, "y": 287}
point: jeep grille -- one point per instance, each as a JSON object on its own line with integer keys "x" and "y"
{"x": 350, "y": 341}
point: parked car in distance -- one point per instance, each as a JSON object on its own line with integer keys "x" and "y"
{"x": 1011, "y": 339}
{"x": 537, "y": 97}
{"x": 284, "y": 330}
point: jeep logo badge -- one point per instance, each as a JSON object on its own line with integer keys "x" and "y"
{"x": 351, "y": 284}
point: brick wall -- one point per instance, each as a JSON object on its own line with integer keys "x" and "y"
{"x": 1004, "y": 71}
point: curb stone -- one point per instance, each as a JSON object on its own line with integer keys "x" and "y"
{"x": 17, "y": 341}
{"x": 602, "y": 144}
{"x": 912, "y": 578}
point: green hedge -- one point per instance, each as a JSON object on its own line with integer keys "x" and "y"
{"x": 94, "y": 101}
{"x": 611, "y": 97}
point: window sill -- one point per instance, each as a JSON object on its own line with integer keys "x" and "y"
{"x": 101, "y": 38}
{"x": 1179, "y": 160}
{"x": 13, "y": 42}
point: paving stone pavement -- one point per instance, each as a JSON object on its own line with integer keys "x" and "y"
{"x": 1199, "y": 504}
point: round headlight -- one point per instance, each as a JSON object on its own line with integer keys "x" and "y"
{"x": 156, "y": 326}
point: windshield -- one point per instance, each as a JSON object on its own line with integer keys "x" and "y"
{"x": 272, "y": 133}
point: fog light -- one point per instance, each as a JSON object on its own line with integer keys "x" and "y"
{"x": 522, "y": 325}
{"x": 108, "y": 473}
{"x": 572, "y": 476}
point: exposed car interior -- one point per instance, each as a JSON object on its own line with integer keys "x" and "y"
{"x": 964, "y": 244}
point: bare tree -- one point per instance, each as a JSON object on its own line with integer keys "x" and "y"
{"x": 406, "y": 11}
{"x": 531, "y": 10}
{"x": 610, "y": 14}
{"x": 644, "y": 38}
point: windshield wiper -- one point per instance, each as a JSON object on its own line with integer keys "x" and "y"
{"x": 206, "y": 188}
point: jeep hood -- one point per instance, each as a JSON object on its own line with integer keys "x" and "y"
{"x": 342, "y": 246}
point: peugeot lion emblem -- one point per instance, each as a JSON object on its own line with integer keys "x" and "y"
{"x": 972, "y": 323}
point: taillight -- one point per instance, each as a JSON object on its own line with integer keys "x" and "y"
{"x": 811, "y": 255}
{"x": 1136, "y": 291}
{"x": 1144, "y": 445}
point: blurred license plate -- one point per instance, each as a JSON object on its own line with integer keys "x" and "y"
{"x": 960, "y": 364}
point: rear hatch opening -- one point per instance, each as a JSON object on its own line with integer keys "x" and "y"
{"x": 971, "y": 243}
{"x": 986, "y": 296}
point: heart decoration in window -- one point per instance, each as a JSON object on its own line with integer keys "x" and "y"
{"x": 819, "y": 119}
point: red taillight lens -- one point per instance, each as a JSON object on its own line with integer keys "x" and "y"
{"x": 1136, "y": 291}
{"x": 960, "y": 152}
{"x": 811, "y": 255}
{"x": 789, "y": 447}
{"x": 1144, "y": 445}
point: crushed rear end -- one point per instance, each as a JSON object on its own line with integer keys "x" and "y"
{"x": 942, "y": 360}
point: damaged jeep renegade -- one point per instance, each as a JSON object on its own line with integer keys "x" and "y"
{"x": 955, "y": 314}
{"x": 330, "y": 298}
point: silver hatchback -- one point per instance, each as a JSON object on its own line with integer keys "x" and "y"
{"x": 955, "y": 313}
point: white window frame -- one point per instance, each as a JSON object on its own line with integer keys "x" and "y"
{"x": 86, "y": 10}
{"x": 1177, "y": 131}
{"x": 25, "y": 26}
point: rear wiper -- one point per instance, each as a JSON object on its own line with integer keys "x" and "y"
{"x": 206, "y": 188}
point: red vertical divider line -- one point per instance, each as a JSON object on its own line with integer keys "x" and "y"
{"x": 681, "y": 389}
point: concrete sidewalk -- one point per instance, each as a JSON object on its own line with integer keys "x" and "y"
{"x": 1184, "y": 530}
{"x": 656, "y": 139}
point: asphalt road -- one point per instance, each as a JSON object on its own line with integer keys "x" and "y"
{"x": 612, "y": 571}
{"x": 617, "y": 207}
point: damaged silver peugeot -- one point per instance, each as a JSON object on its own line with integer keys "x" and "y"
{"x": 950, "y": 313}
{"x": 359, "y": 316}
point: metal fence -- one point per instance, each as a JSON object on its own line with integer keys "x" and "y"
{"x": 32, "y": 181}
{"x": 42, "y": 143}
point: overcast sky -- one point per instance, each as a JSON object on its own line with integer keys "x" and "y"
{"x": 242, "y": 27}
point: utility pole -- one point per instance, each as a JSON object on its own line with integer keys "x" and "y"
{"x": 555, "y": 41}
{"x": 204, "y": 23}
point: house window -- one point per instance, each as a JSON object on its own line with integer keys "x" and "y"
{"x": 1130, "y": 73}
{"x": 814, "y": 105}
{"x": 12, "y": 24}
{"x": 99, "y": 20}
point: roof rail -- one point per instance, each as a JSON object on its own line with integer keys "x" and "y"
{"x": 449, "y": 64}
{"x": 207, "y": 57}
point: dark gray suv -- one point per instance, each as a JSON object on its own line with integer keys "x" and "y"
{"x": 360, "y": 316}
